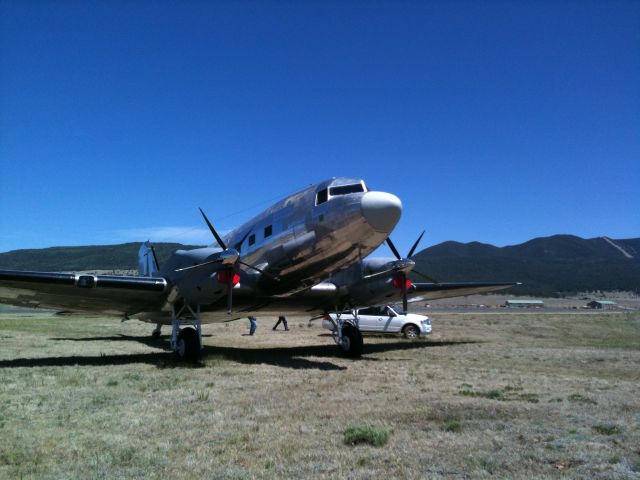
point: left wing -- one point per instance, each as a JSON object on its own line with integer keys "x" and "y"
{"x": 106, "y": 294}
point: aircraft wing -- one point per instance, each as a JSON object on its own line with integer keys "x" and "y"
{"x": 433, "y": 291}
{"x": 70, "y": 292}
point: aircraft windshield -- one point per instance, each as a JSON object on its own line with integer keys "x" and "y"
{"x": 346, "y": 189}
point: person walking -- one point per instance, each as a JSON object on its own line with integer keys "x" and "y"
{"x": 282, "y": 319}
{"x": 253, "y": 325}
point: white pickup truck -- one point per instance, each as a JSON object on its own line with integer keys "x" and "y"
{"x": 387, "y": 319}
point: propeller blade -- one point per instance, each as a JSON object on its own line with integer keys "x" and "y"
{"x": 405, "y": 302}
{"x": 239, "y": 244}
{"x": 393, "y": 248}
{"x": 413, "y": 249}
{"x": 229, "y": 290}
{"x": 217, "y": 260}
{"x": 259, "y": 270}
{"x": 213, "y": 230}
{"x": 427, "y": 277}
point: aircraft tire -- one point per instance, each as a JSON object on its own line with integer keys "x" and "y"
{"x": 188, "y": 345}
{"x": 410, "y": 332}
{"x": 352, "y": 345}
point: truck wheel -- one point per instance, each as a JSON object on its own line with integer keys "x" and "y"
{"x": 410, "y": 331}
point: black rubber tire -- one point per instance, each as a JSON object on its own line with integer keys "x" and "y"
{"x": 188, "y": 345}
{"x": 411, "y": 332}
{"x": 353, "y": 345}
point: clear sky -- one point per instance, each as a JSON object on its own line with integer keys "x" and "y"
{"x": 496, "y": 121}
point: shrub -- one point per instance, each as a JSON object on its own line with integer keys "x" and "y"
{"x": 452, "y": 425}
{"x": 607, "y": 429}
{"x": 376, "y": 436}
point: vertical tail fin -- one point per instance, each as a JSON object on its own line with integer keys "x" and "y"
{"x": 147, "y": 260}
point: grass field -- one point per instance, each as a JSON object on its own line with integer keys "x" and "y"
{"x": 487, "y": 395}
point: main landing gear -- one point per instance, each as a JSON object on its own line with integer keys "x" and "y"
{"x": 347, "y": 336}
{"x": 186, "y": 332}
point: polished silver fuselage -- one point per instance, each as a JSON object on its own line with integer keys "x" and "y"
{"x": 298, "y": 242}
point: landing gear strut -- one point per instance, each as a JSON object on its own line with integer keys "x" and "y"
{"x": 347, "y": 336}
{"x": 186, "y": 333}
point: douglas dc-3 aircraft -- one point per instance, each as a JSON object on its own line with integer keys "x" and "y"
{"x": 304, "y": 255}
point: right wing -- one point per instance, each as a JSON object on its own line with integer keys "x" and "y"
{"x": 433, "y": 291}
{"x": 70, "y": 292}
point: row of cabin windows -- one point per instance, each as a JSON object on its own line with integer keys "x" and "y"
{"x": 268, "y": 231}
{"x": 323, "y": 195}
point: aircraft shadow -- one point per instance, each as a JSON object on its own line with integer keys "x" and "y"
{"x": 286, "y": 357}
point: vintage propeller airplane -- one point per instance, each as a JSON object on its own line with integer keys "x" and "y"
{"x": 305, "y": 254}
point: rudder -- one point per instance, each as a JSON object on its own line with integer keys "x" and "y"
{"x": 147, "y": 260}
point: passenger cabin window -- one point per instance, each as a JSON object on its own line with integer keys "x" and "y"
{"x": 268, "y": 230}
{"x": 321, "y": 197}
{"x": 346, "y": 189}
{"x": 252, "y": 239}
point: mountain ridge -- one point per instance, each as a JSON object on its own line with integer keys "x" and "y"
{"x": 546, "y": 266}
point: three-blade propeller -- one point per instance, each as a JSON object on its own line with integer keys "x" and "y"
{"x": 230, "y": 258}
{"x": 402, "y": 273}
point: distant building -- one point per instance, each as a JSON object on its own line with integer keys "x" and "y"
{"x": 524, "y": 303}
{"x": 602, "y": 304}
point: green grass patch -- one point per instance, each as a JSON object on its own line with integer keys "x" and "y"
{"x": 452, "y": 425}
{"x": 607, "y": 429}
{"x": 508, "y": 394}
{"x": 576, "y": 397}
{"x": 356, "y": 434}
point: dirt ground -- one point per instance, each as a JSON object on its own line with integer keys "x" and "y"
{"x": 491, "y": 394}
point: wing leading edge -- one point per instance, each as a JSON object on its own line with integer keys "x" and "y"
{"x": 108, "y": 294}
{"x": 433, "y": 291}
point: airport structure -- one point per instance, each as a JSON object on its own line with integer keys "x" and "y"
{"x": 602, "y": 304}
{"x": 524, "y": 303}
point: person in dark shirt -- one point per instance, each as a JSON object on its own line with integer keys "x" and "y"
{"x": 281, "y": 319}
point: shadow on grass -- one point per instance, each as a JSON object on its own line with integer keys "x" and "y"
{"x": 287, "y": 357}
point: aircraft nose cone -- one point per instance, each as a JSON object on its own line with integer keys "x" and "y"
{"x": 381, "y": 210}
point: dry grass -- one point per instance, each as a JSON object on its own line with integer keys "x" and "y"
{"x": 505, "y": 395}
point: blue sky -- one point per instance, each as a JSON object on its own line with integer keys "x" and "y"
{"x": 495, "y": 121}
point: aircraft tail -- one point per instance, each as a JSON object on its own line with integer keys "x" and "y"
{"x": 147, "y": 260}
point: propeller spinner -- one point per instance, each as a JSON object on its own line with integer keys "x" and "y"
{"x": 402, "y": 280}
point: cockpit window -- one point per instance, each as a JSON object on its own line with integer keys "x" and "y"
{"x": 346, "y": 189}
{"x": 321, "y": 196}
